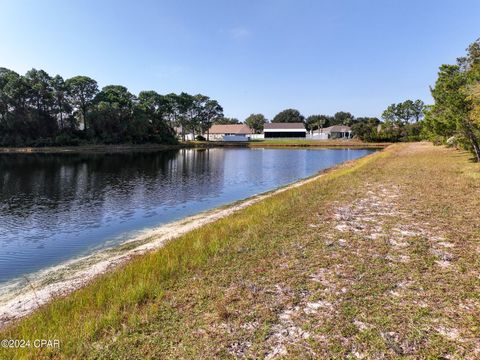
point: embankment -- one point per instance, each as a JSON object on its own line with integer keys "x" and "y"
{"x": 378, "y": 258}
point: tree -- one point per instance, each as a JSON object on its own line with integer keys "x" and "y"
{"x": 40, "y": 119}
{"x": 366, "y": 129}
{"x": 417, "y": 110}
{"x": 4, "y": 98}
{"x": 404, "y": 112}
{"x": 61, "y": 106}
{"x": 151, "y": 112}
{"x": 256, "y": 122}
{"x": 315, "y": 122}
{"x": 184, "y": 110}
{"x": 41, "y": 92}
{"x": 393, "y": 114}
{"x": 210, "y": 111}
{"x": 14, "y": 111}
{"x": 113, "y": 114}
{"x": 342, "y": 118}
{"x": 449, "y": 107}
{"x": 226, "y": 121}
{"x": 154, "y": 105}
{"x": 172, "y": 109}
{"x": 473, "y": 92}
{"x": 81, "y": 92}
{"x": 473, "y": 97}
{"x": 39, "y": 110}
{"x": 13, "y": 95}
{"x": 197, "y": 123}
{"x": 453, "y": 113}
{"x": 289, "y": 116}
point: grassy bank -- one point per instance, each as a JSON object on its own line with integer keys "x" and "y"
{"x": 190, "y": 144}
{"x": 378, "y": 258}
{"x": 351, "y": 143}
{"x": 277, "y": 143}
{"x": 119, "y": 148}
{"x": 80, "y": 149}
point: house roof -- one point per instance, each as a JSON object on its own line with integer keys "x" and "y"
{"x": 230, "y": 129}
{"x": 336, "y": 129}
{"x": 284, "y": 126}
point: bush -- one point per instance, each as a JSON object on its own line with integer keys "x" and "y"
{"x": 12, "y": 140}
{"x": 66, "y": 139}
{"x": 387, "y": 132}
{"x": 200, "y": 138}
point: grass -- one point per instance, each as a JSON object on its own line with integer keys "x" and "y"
{"x": 101, "y": 149}
{"x": 122, "y": 148}
{"x": 378, "y": 258}
{"x": 316, "y": 143}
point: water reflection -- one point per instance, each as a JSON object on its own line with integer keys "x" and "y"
{"x": 55, "y": 207}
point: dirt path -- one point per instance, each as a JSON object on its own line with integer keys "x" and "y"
{"x": 420, "y": 264}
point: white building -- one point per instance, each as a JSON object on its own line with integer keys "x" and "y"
{"x": 337, "y": 132}
{"x": 188, "y": 135}
{"x": 230, "y": 132}
{"x": 284, "y": 130}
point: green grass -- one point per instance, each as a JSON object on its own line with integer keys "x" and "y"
{"x": 223, "y": 290}
{"x": 94, "y": 149}
{"x": 128, "y": 148}
{"x": 316, "y": 143}
{"x": 289, "y": 143}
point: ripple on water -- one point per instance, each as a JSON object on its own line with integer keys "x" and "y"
{"x": 57, "y": 207}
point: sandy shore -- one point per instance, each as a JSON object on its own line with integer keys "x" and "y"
{"x": 19, "y": 301}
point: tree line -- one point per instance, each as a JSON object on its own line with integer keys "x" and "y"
{"x": 400, "y": 122}
{"x": 38, "y": 110}
{"x": 454, "y": 118}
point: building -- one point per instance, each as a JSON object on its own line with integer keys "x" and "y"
{"x": 284, "y": 130}
{"x": 337, "y": 132}
{"x": 189, "y": 136}
{"x": 230, "y": 132}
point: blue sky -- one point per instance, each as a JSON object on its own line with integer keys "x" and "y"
{"x": 253, "y": 56}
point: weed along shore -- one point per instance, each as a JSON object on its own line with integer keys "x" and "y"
{"x": 76, "y": 273}
{"x": 125, "y": 148}
{"x": 378, "y": 257}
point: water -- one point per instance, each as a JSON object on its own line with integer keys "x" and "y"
{"x": 56, "y": 207}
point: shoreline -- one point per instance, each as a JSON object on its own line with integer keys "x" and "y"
{"x": 354, "y": 262}
{"x": 65, "y": 278}
{"x": 130, "y": 148}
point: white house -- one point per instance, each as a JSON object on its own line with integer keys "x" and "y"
{"x": 337, "y": 132}
{"x": 189, "y": 136}
{"x": 284, "y": 130}
{"x": 230, "y": 132}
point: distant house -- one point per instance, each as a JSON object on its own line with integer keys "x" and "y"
{"x": 284, "y": 130}
{"x": 230, "y": 132}
{"x": 189, "y": 136}
{"x": 337, "y": 132}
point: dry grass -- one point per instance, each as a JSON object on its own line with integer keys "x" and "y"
{"x": 378, "y": 259}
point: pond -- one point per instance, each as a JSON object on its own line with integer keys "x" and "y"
{"x": 55, "y": 207}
